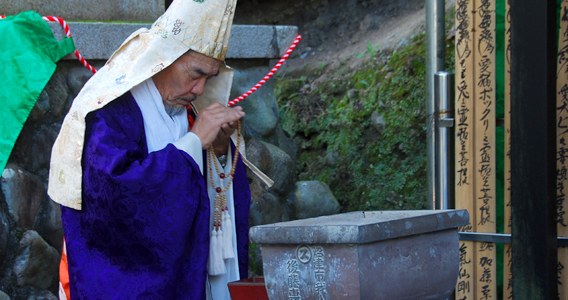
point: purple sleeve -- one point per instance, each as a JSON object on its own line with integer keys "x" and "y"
{"x": 143, "y": 228}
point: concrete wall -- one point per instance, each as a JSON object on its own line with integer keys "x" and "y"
{"x": 100, "y": 40}
{"x": 82, "y": 10}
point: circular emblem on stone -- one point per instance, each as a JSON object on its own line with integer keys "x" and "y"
{"x": 304, "y": 254}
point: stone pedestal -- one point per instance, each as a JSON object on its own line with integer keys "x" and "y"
{"x": 363, "y": 255}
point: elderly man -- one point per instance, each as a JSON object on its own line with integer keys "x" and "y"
{"x": 149, "y": 208}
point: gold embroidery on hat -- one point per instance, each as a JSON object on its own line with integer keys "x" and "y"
{"x": 78, "y": 150}
{"x": 177, "y": 27}
{"x": 162, "y": 32}
{"x": 158, "y": 68}
{"x": 64, "y": 136}
{"x": 140, "y": 47}
{"x": 62, "y": 177}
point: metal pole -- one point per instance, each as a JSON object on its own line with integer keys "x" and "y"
{"x": 435, "y": 57}
{"x": 444, "y": 121}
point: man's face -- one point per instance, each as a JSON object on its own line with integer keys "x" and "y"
{"x": 185, "y": 79}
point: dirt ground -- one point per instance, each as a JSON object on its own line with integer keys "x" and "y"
{"x": 334, "y": 32}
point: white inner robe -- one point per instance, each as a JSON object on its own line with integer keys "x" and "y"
{"x": 161, "y": 130}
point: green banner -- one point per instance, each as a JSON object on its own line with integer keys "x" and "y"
{"x": 28, "y": 53}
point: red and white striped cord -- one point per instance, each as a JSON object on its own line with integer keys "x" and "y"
{"x": 68, "y": 34}
{"x": 263, "y": 80}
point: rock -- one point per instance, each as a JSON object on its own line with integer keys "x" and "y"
{"x": 20, "y": 152}
{"x": 5, "y": 227}
{"x": 273, "y": 162}
{"x": 76, "y": 78}
{"x": 314, "y": 199}
{"x": 370, "y": 135}
{"x": 369, "y": 22}
{"x": 331, "y": 158}
{"x": 40, "y": 108}
{"x": 48, "y": 223}
{"x": 3, "y": 296}
{"x": 24, "y": 194}
{"x": 257, "y": 187}
{"x": 283, "y": 141}
{"x": 269, "y": 209}
{"x": 4, "y": 235}
{"x": 261, "y": 107}
{"x": 43, "y": 141}
{"x": 42, "y": 295}
{"x": 402, "y": 44}
{"x": 58, "y": 93}
{"x": 378, "y": 121}
{"x": 306, "y": 89}
{"x": 352, "y": 94}
{"x": 36, "y": 263}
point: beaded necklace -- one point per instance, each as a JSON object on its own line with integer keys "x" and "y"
{"x": 221, "y": 245}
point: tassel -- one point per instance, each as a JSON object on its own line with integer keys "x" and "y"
{"x": 216, "y": 263}
{"x": 212, "y": 244}
{"x": 219, "y": 249}
{"x": 219, "y": 253}
{"x": 228, "y": 236}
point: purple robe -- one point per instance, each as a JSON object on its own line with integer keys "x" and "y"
{"x": 143, "y": 231}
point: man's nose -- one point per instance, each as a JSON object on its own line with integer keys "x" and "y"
{"x": 199, "y": 87}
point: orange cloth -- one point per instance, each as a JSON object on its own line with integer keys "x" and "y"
{"x": 64, "y": 274}
{"x": 190, "y": 117}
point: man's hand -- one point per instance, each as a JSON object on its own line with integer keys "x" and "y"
{"x": 221, "y": 143}
{"x": 215, "y": 124}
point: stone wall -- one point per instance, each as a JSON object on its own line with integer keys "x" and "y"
{"x": 30, "y": 222}
{"x": 100, "y": 10}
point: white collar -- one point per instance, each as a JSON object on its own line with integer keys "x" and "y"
{"x": 161, "y": 129}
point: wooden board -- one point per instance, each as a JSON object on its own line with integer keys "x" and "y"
{"x": 484, "y": 146}
{"x": 464, "y": 133}
{"x": 562, "y": 150}
{"x": 507, "y": 255}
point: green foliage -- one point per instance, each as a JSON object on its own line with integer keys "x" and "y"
{"x": 253, "y": 265}
{"x": 367, "y": 166}
{"x": 370, "y": 50}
